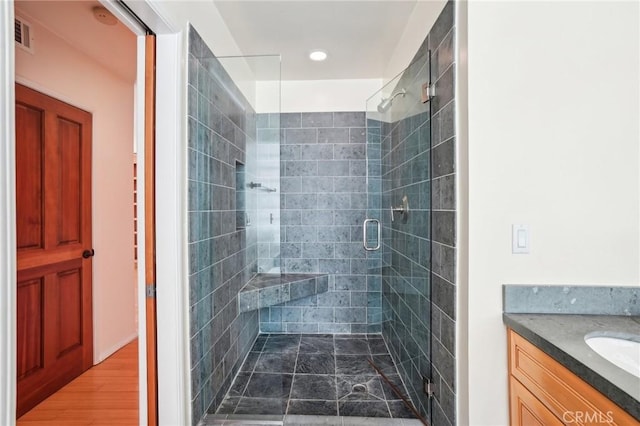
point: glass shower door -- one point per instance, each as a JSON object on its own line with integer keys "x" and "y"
{"x": 399, "y": 197}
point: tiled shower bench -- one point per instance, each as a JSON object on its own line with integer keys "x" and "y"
{"x": 272, "y": 289}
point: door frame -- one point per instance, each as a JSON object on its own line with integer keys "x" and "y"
{"x": 171, "y": 255}
{"x": 8, "y": 258}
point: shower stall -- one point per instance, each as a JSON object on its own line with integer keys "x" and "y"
{"x": 311, "y": 252}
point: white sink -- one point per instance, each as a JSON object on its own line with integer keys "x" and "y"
{"x": 623, "y": 352}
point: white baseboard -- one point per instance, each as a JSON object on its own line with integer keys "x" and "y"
{"x": 113, "y": 349}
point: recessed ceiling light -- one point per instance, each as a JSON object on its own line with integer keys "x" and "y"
{"x": 318, "y": 55}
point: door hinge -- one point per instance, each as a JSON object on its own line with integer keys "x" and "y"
{"x": 150, "y": 291}
{"x": 427, "y": 385}
{"x": 428, "y": 92}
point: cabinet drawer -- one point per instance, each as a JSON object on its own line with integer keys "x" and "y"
{"x": 568, "y": 397}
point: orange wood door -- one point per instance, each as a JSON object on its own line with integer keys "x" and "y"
{"x": 53, "y": 206}
{"x": 526, "y": 410}
{"x": 150, "y": 228}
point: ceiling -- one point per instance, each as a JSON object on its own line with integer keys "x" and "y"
{"x": 113, "y": 47}
{"x": 359, "y": 36}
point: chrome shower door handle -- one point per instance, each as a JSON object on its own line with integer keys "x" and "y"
{"x": 364, "y": 234}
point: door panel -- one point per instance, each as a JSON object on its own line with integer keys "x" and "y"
{"x": 70, "y": 214}
{"x": 69, "y": 312}
{"x": 53, "y": 203}
{"x": 30, "y": 319}
{"x": 29, "y": 178}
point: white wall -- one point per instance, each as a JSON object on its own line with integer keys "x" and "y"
{"x": 60, "y": 71}
{"x": 422, "y": 18}
{"x": 553, "y": 143}
{"x": 317, "y": 95}
{"x": 206, "y": 19}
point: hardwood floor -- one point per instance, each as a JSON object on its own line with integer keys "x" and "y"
{"x": 105, "y": 395}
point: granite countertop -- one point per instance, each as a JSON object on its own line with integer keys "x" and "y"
{"x": 561, "y": 336}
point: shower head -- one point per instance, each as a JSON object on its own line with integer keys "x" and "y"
{"x": 386, "y": 103}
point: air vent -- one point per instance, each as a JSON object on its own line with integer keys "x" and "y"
{"x": 23, "y": 34}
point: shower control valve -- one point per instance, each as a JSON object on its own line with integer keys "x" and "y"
{"x": 403, "y": 209}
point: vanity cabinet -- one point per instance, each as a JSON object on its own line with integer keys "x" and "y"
{"x": 543, "y": 392}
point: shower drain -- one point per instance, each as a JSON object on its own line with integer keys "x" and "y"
{"x": 359, "y": 388}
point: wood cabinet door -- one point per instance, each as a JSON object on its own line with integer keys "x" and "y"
{"x": 526, "y": 410}
{"x": 53, "y": 206}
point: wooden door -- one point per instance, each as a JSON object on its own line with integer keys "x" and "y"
{"x": 150, "y": 228}
{"x": 53, "y": 206}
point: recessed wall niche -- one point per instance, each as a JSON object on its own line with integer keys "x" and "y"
{"x": 242, "y": 220}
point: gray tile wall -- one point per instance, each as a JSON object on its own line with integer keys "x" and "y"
{"x": 323, "y": 180}
{"x": 422, "y": 249}
{"x": 443, "y": 159}
{"x": 222, "y": 257}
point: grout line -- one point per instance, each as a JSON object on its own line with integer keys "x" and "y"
{"x": 335, "y": 370}
{"x": 395, "y": 365}
{"x": 293, "y": 375}
{"x": 251, "y": 373}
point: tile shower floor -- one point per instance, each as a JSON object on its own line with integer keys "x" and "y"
{"x": 326, "y": 375}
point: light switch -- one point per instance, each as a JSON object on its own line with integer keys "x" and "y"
{"x": 520, "y": 239}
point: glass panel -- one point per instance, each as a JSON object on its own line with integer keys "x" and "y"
{"x": 399, "y": 195}
{"x": 258, "y": 77}
{"x": 262, "y": 381}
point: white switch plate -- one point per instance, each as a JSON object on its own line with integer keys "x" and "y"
{"x": 520, "y": 239}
